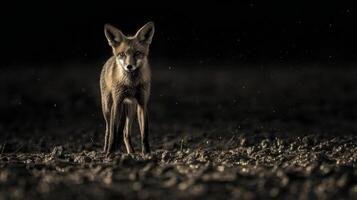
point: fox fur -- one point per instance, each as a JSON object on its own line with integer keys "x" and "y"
{"x": 125, "y": 87}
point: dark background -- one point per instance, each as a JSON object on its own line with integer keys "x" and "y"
{"x": 202, "y": 32}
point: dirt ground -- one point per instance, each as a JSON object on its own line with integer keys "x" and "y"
{"x": 217, "y": 132}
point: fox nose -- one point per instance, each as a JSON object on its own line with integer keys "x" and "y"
{"x": 129, "y": 67}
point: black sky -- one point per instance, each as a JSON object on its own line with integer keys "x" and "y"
{"x": 244, "y": 31}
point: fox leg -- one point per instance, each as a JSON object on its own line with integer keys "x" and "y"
{"x": 119, "y": 129}
{"x": 106, "y": 107}
{"x": 143, "y": 120}
{"x": 130, "y": 113}
{"x": 114, "y": 123}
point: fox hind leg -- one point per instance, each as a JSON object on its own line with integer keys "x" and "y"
{"x": 106, "y": 108}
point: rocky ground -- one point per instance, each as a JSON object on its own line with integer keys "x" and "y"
{"x": 227, "y": 132}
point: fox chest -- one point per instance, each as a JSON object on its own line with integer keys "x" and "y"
{"x": 130, "y": 92}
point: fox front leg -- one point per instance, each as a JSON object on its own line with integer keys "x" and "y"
{"x": 114, "y": 123}
{"x": 130, "y": 113}
{"x": 143, "y": 120}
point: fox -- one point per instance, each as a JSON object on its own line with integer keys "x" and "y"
{"x": 125, "y": 83}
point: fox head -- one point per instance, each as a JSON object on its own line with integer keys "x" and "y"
{"x": 130, "y": 51}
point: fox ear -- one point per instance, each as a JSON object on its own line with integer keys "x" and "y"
{"x": 113, "y": 35}
{"x": 146, "y": 33}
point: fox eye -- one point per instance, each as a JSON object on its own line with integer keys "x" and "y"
{"x": 121, "y": 54}
{"x": 138, "y": 53}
